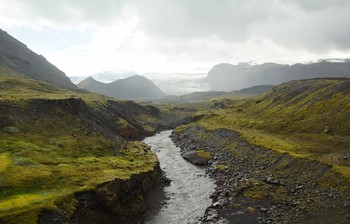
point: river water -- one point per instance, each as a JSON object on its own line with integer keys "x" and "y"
{"x": 187, "y": 197}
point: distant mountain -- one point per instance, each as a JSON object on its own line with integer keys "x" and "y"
{"x": 110, "y": 76}
{"x": 106, "y": 76}
{"x": 17, "y": 59}
{"x": 134, "y": 87}
{"x": 227, "y": 77}
{"x": 193, "y": 97}
{"x": 171, "y": 83}
{"x": 257, "y": 89}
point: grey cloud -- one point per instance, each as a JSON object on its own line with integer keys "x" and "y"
{"x": 306, "y": 24}
{"x": 320, "y": 30}
{"x": 229, "y": 20}
{"x": 71, "y": 12}
{"x": 285, "y": 22}
{"x": 312, "y": 5}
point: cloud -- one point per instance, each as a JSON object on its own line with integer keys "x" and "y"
{"x": 314, "y": 25}
{"x": 61, "y": 13}
{"x": 180, "y": 34}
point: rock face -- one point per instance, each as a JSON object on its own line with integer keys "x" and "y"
{"x": 134, "y": 87}
{"x": 17, "y": 59}
{"x": 118, "y": 201}
{"x": 195, "y": 158}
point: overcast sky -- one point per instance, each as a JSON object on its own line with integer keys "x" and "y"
{"x": 83, "y": 37}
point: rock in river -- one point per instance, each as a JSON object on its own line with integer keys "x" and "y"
{"x": 196, "y": 157}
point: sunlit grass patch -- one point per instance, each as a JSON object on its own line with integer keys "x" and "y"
{"x": 4, "y": 161}
{"x": 39, "y": 164}
{"x": 33, "y": 180}
{"x": 26, "y": 208}
{"x": 343, "y": 170}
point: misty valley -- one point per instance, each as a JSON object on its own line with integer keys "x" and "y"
{"x": 246, "y": 142}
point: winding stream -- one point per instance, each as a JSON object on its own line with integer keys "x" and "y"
{"x": 187, "y": 197}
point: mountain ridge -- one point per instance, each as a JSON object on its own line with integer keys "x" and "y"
{"x": 228, "y": 77}
{"x": 134, "y": 87}
{"x": 17, "y": 59}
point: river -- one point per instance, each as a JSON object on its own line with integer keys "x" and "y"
{"x": 187, "y": 197}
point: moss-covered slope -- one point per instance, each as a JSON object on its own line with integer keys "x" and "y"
{"x": 305, "y": 118}
{"x": 280, "y": 158}
{"x": 55, "y": 143}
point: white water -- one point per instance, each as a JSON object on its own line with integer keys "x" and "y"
{"x": 187, "y": 197}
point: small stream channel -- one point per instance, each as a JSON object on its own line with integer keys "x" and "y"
{"x": 187, "y": 197}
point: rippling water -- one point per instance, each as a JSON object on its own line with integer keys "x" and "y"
{"x": 187, "y": 197}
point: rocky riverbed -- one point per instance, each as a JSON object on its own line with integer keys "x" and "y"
{"x": 187, "y": 196}
{"x": 257, "y": 185}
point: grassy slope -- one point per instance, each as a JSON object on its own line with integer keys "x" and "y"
{"x": 291, "y": 119}
{"x": 198, "y": 97}
{"x": 47, "y": 156}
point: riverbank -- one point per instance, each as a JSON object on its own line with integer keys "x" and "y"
{"x": 117, "y": 201}
{"x": 187, "y": 197}
{"x": 257, "y": 185}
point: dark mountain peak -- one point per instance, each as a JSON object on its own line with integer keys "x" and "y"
{"x": 133, "y": 87}
{"x": 134, "y": 78}
{"x": 223, "y": 66}
{"x": 87, "y": 82}
{"x": 137, "y": 77}
{"x": 17, "y": 59}
{"x": 90, "y": 78}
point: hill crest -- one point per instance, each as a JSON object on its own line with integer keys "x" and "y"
{"x": 16, "y": 59}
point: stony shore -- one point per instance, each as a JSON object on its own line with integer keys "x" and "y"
{"x": 257, "y": 185}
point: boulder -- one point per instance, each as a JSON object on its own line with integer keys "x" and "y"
{"x": 327, "y": 130}
{"x": 196, "y": 157}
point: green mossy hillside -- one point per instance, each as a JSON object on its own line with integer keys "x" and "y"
{"x": 126, "y": 115}
{"x": 55, "y": 143}
{"x": 305, "y": 118}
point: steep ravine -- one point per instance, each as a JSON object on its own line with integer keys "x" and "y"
{"x": 257, "y": 185}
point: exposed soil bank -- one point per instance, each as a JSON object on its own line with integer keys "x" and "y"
{"x": 257, "y": 185}
{"x": 118, "y": 201}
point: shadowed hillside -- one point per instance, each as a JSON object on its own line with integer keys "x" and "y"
{"x": 17, "y": 59}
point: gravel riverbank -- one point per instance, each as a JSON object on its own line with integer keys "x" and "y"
{"x": 257, "y": 185}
